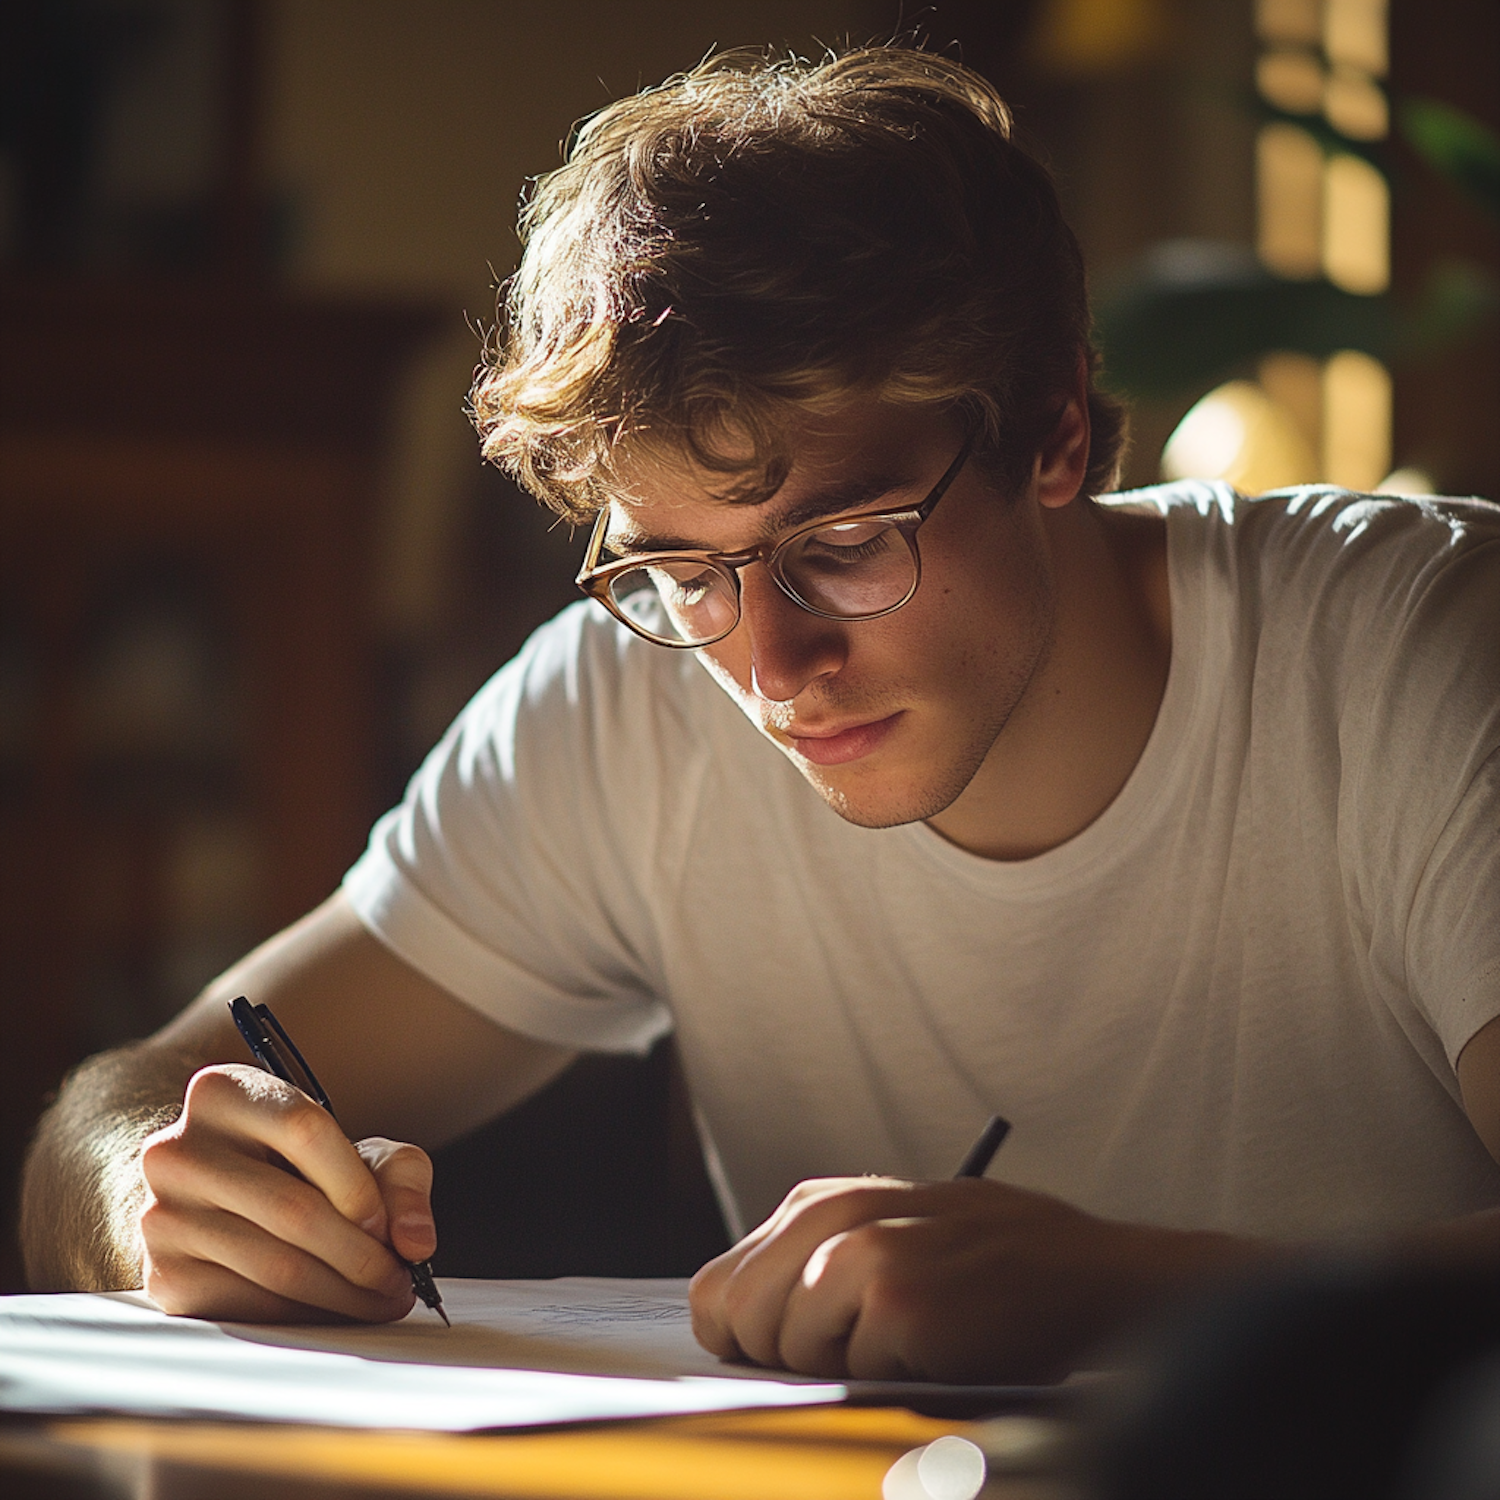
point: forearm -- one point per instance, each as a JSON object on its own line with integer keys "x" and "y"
{"x": 82, "y": 1189}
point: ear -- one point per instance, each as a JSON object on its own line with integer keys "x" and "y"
{"x": 1064, "y": 457}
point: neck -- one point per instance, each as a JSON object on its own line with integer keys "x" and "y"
{"x": 1080, "y": 727}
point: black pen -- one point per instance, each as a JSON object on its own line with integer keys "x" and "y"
{"x": 982, "y": 1152}
{"x": 277, "y": 1053}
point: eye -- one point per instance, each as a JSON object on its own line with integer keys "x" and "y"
{"x": 848, "y": 542}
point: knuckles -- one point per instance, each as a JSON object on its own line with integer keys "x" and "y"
{"x": 212, "y": 1090}
{"x": 160, "y": 1226}
{"x": 302, "y": 1125}
{"x": 164, "y": 1160}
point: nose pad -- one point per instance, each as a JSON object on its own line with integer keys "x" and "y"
{"x": 789, "y": 646}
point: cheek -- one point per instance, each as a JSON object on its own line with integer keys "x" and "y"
{"x": 989, "y": 607}
{"x": 728, "y": 663}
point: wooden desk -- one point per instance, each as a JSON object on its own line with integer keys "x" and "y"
{"x": 827, "y": 1454}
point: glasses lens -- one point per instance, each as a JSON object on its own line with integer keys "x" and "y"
{"x": 681, "y": 603}
{"x": 852, "y": 568}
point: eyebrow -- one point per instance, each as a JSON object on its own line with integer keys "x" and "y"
{"x": 843, "y": 498}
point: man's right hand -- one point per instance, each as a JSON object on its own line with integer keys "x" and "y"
{"x": 255, "y": 1205}
{"x": 258, "y": 1209}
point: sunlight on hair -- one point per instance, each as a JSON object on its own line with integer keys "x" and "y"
{"x": 1237, "y": 433}
{"x": 713, "y": 247}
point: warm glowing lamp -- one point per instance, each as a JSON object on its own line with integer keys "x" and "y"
{"x": 1237, "y": 433}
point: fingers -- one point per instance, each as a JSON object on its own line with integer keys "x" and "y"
{"x": 222, "y": 1266}
{"x": 403, "y": 1174}
{"x": 850, "y": 1313}
{"x": 821, "y": 1313}
{"x": 257, "y": 1206}
{"x": 879, "y": 1279}
{"x": 206, "y": 1193}
{"x": 712, "y": 1326}
{"x": 252, "y": 1106}
{"x": 739, "y": 1300}
{"x": 195, "y": 1288}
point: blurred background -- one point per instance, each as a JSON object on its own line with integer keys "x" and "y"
{"x": 250, "y": 565}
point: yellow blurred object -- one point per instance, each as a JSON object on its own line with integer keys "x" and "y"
{"x": 1289, "y": 189}
{"x": 839, "y": 1453}
{"x": 1354, "y": 33}
{"x": 1356, "y": 226}
{"x": 1288, "y": 20}
{"x": 1085, "y": 38}
{"x": 1291, "y": 79}
{"x": 1295, "y": 382}
{"x": 1237, "y": 433}
{"x": 1408, "y": 480}
{"x": 1355, "y": 105}
{"x": 1356, "y": 420}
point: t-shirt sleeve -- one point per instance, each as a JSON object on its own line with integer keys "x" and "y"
{"x": 1453, "y": 943}
{"x": 513, "y": 873}
{"x": 1423, "y": 735}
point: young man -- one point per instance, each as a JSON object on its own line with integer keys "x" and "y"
{"x": 906, "y": 782}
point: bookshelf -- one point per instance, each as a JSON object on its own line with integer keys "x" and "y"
{"x": 189, "y": 481}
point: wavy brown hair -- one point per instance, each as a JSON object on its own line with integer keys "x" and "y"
{"x": 761, "y": 238}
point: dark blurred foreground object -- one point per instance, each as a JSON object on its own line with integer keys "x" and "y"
{"x": 1341, "y": 1380}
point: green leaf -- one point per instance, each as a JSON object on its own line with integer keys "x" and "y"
{"x": 1193, "y": 312}
{"x": 1463, "y": 149}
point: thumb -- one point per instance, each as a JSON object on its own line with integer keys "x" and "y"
{"x": 404, "y": 1175}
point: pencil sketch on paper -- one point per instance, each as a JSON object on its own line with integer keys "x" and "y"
{"x": 612, "y": 1310}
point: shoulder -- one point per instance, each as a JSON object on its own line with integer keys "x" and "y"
{"x": 1330, "y": 547}
{"x": 589, "y": 722}
{"x": 584, "y": 670}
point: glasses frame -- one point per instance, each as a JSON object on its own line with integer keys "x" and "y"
{"x": 594, "y": 577}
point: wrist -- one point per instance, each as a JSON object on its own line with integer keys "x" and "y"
{"x": 122, "y": 1195}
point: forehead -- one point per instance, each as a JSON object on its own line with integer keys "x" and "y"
{"x": 862, "y": 457}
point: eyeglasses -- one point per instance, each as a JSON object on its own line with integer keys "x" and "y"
{"x": 856, "y": 568}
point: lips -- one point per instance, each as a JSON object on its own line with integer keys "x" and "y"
{"x": 836, "y": 747}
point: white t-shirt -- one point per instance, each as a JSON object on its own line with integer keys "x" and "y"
{"x": 1232, "y": 1001}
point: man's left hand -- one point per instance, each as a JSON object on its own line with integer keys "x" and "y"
{"x": 873, "y": 1278}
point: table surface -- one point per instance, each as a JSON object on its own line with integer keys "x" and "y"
{"x": 825, "y": 1454}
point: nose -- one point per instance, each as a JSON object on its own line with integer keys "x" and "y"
{"x": 789, "y": 647}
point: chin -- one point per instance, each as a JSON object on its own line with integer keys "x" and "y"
{"x": 881, "y": 806}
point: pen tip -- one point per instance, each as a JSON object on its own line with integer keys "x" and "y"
{"x": 444, "y": 1316}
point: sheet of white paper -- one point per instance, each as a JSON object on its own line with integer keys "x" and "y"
{"x": 520, "y": 1354}
{"x": 575, "y": 1325}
